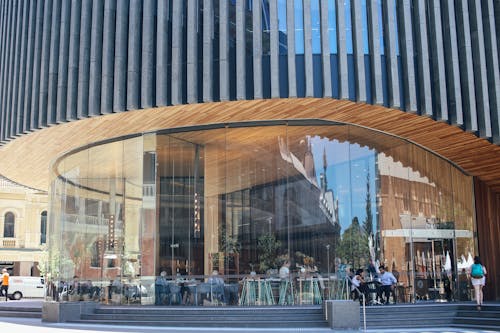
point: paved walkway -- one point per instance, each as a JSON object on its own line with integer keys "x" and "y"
{"x": 36, "y": 325}
{"x": 18, "y": 325}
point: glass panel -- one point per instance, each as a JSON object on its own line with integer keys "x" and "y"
{"x": 266, "y": 28}
{"x": 293, "y": 210}
{"x": 364, "y": 14}
{"x": 318, "y": 205}
{"x": 378, "y": 3}
{"x": 391, "y": 247}
{"x": 315, "y": 27}
{"x": 105, "y": 203}
{"x": 43, "y": 227}
{"x": 348, "y": 26}
{"x": 71, "y": 247}
{"x": 282, "y": 27}
{"x": 299, "y": 27}
{"x": 141, "y": 228}
{"x": 253, "y": 199}
{"x": 332, "y": 26}
{"x": 463, "y": 209}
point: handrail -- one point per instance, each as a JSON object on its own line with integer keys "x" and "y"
{"x": 364, "y": 311}
{"x": 364, "y": 303}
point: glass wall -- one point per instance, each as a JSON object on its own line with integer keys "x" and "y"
{"x": 281, "y": 213}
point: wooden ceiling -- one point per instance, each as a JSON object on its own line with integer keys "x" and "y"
{"x": 26, "y": 159}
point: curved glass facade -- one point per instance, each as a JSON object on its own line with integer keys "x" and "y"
{"x": 242, "y": 199}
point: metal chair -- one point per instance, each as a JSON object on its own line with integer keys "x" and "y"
{"x": 203, "y": 292}
{"x": 373, "y": 293}
{"x": 175, "y": 294}
{"x": 162, "y": 294}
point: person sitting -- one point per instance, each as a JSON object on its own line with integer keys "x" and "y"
{"x": 286, "y": 288}
{"x": 75, "y": 287}
{"x": 161, "y": 289}
{"x": 215, "y": 278}
{"x": 217, "y": 287}
{"x": 285, "y": 270}
{"x": 388, "y": 282}
{"x": 358, "y": 285}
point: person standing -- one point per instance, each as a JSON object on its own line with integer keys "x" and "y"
{"x": 478, "y": 280}
{"x": 5, "y": 284}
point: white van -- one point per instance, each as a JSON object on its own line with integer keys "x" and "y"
{"x": 26, "y": 286}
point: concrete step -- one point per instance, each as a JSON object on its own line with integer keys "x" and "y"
{"x": 410, "y": 308}
{"x": 478, "y": 321}
{"x": 14, "y": 309}
{"x": 432, "y": 315}
{"x": 21, "y": 309}
{"x": 213, "y": 310}
{"x": 200, "y": 317}
{"x": 213, "y": 323}
{"x": 408, "y": 315}
{"x": 414, "y": 315}
{"x": 271, "y": 317}
{"x": 394, "y": 322}
{"x": 478, "y": 314}
{"x": 488, "y": 318}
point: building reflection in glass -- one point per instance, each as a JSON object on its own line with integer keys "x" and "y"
{"x": 322, "y": 199}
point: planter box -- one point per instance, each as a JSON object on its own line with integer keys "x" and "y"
{"x": 342, "y": 314}
{"x": 55, "y": 312}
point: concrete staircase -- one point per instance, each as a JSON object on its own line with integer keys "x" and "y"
{"x": 460, "y": 315}
{"x": 435, "y": 315}
{"x": 21, "y": 311}
{"x": 469, "y": 317}
{"x": 409, "y": 315}
{"x": 244, "y": 317}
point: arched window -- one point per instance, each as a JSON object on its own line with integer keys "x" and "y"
{"x": 8, "y": 224}
{"x": 43, "y": 227}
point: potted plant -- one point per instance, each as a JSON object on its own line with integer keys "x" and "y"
{"x": 268, "y": 247}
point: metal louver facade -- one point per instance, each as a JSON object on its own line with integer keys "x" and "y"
{"x": 66, "y": 60}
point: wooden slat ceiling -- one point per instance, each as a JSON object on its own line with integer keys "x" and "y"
{"x": 26, "y": 159}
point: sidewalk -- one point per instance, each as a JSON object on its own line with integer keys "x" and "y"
{"x": 36, "y": 325}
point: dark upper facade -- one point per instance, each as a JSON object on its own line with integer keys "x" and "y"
{"x": 67, "y": 60}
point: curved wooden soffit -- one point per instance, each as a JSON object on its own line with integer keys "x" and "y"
{"x": 26, "y": 159}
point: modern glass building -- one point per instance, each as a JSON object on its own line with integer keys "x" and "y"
{"x": 181, "y": 138}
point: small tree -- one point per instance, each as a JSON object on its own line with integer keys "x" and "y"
{"x": 268, "y": 247}
{"x": 368, "y": 224}
{"x": 354, "y": 244}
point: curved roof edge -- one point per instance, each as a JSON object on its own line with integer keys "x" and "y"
{"x": 26, "y": 160}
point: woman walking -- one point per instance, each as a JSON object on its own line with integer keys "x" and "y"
{"x": 478, "y": 279}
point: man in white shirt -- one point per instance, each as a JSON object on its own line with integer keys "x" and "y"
{"x": 388, "y": 282}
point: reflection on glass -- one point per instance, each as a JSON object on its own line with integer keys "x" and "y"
{"x": 148, "y": 220}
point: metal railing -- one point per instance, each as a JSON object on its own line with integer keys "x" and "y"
{"x": 363, "y": 298}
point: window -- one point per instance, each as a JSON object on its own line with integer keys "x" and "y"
{"x": 8, "y": 225}
{"x": 95, "y": 253}
{"x": 43, "y": 227}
